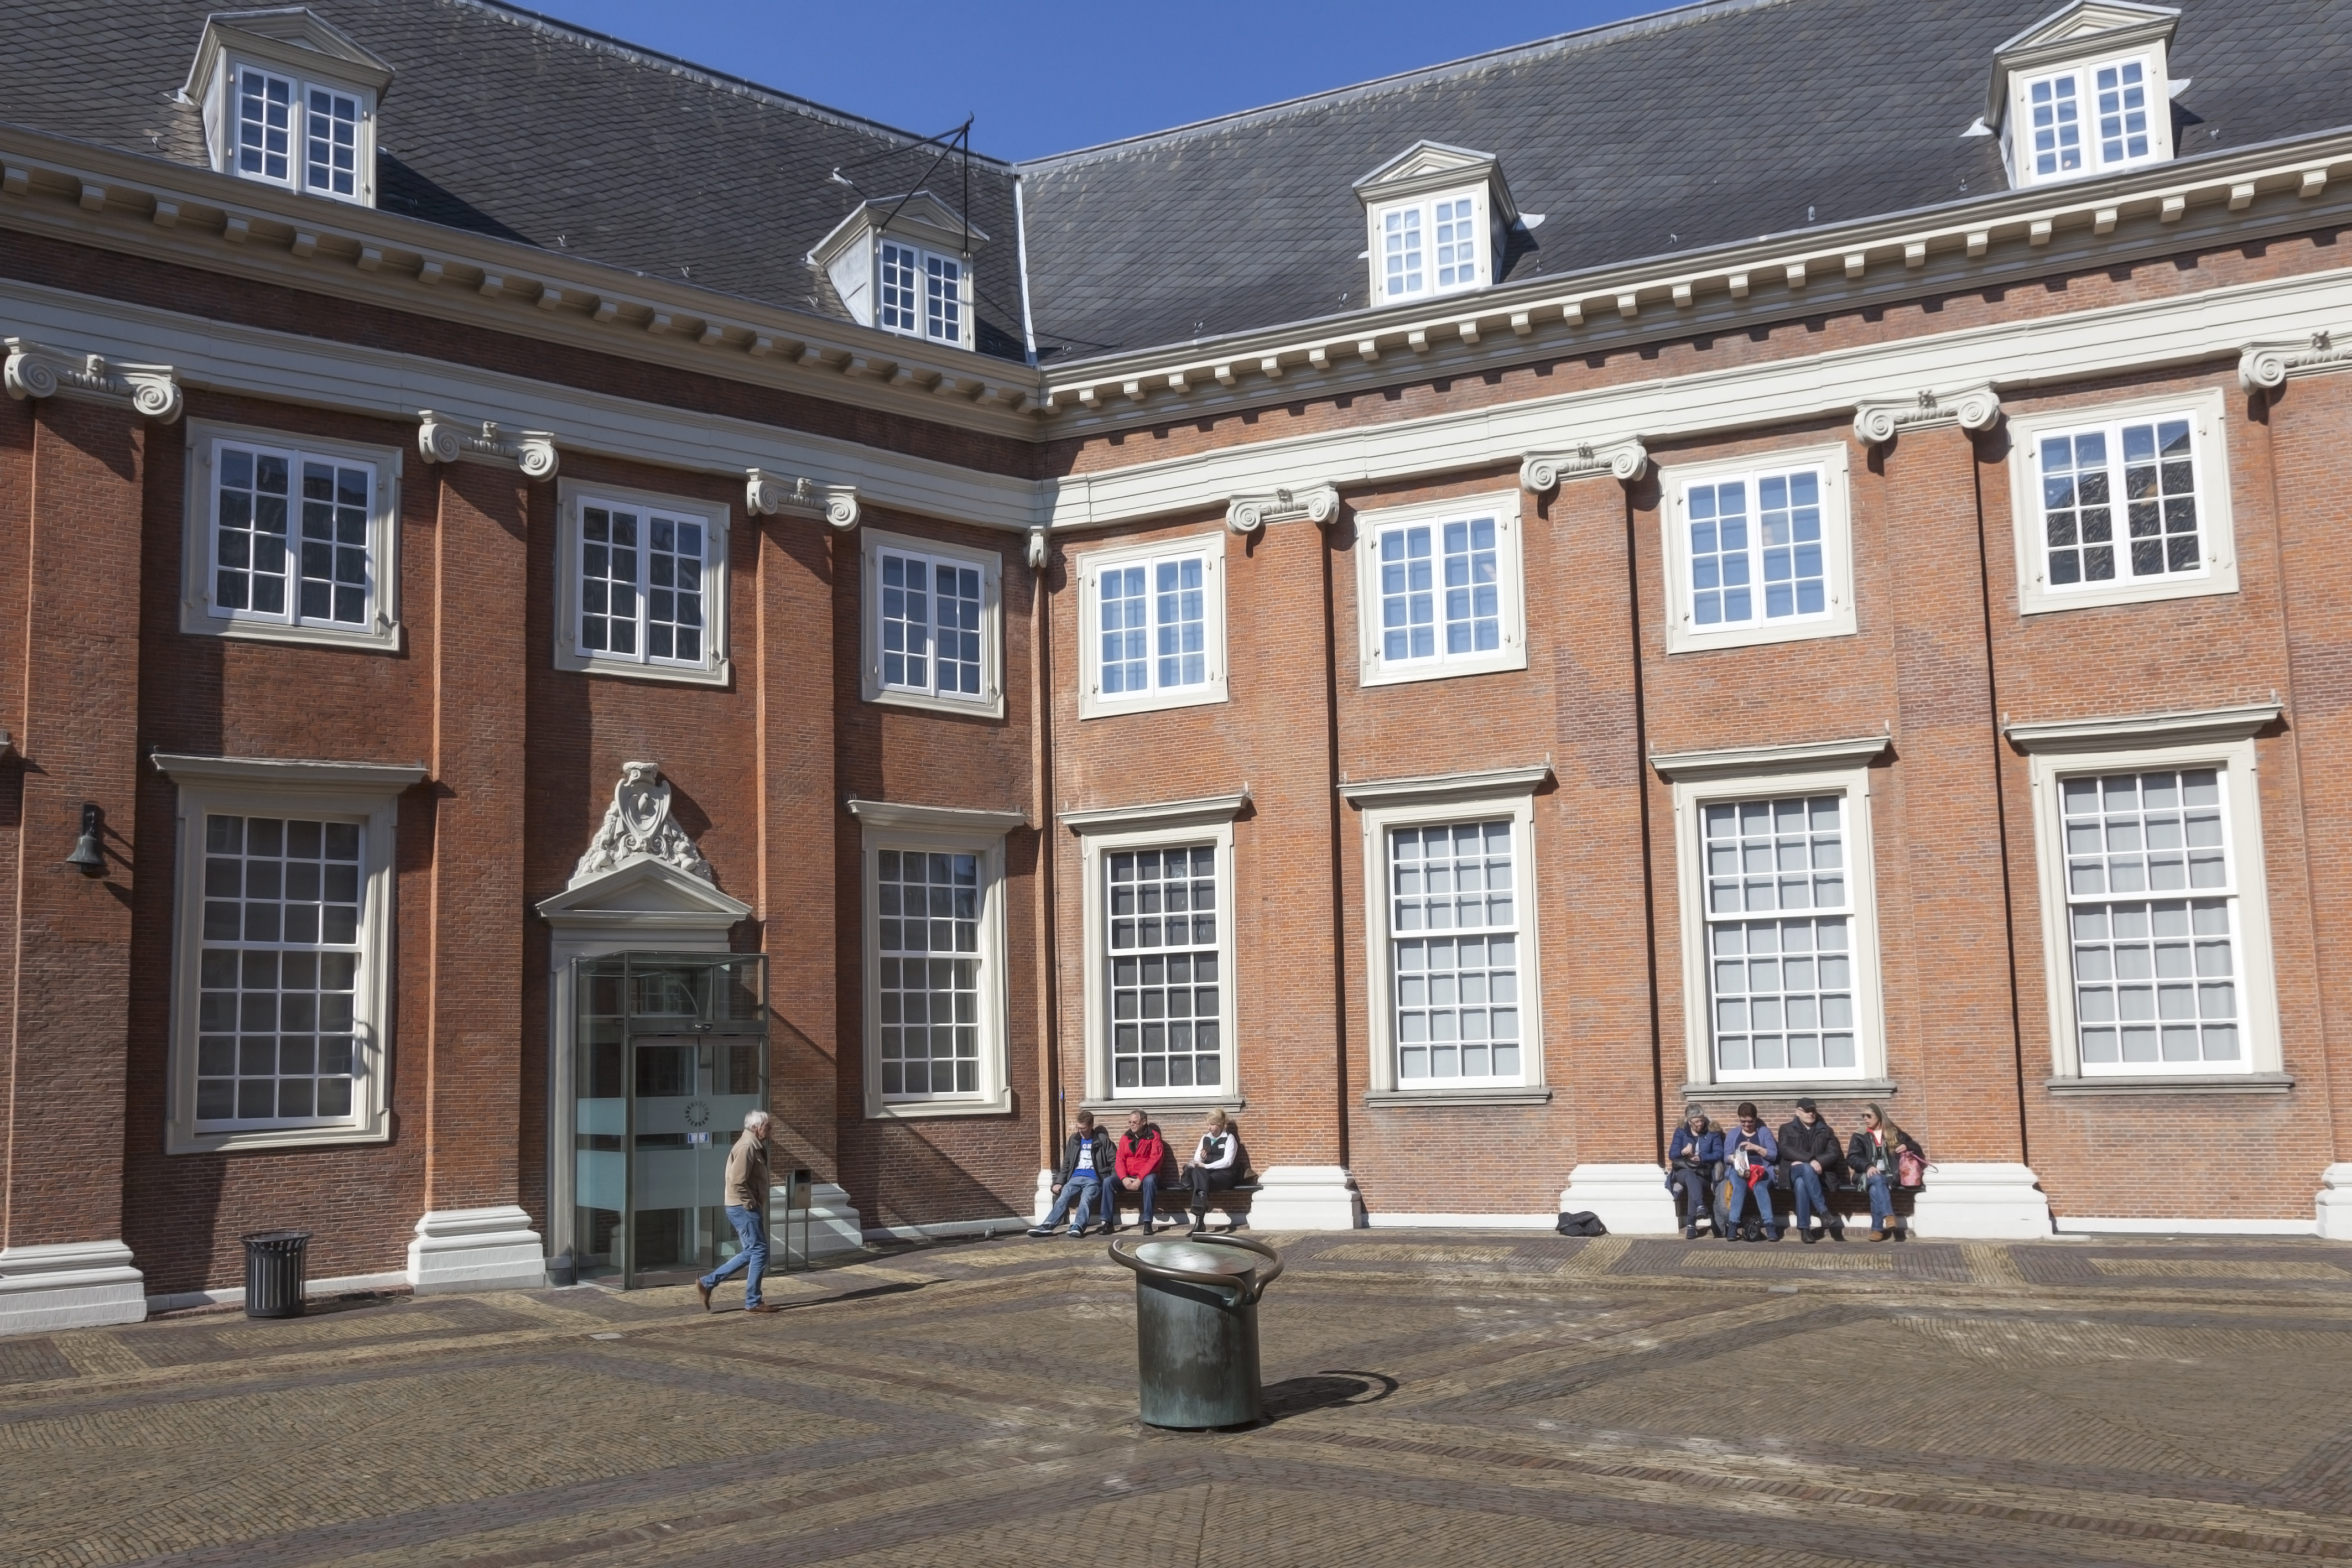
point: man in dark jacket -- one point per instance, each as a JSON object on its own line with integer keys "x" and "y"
{"x": 1812, "y": 1158}
{"x": 1081, "y": 1179}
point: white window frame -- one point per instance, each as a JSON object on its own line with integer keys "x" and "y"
{"x": 926, "y": 258}
{"x": 1383, "y": 805}
{"x": 1684, "y": 634}
{"x": 1776, "y": 773}
{"x": 1481, "y": 228}
{"x": 222, "y": 122}
{"x": 367, "y": 793}
{"x": 991, "y": 566}
{"x": 938, "y": 829}
{"x": 1102, "y": 834}
{"x": 2207, "y": 412}
{"x": 715, "y": 668}
{"x": 2086, "y": 70}
{"x": 1373, "y": 668}
{"x": 2059, "y": 753}
{"x": 200, "y": 516}
{"x": 1090, "y": 565}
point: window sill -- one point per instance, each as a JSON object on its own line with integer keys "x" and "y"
{"x": 2176, "y": 1083}
{"x": 2221, "y": 578}
{"x": 1789, "y": 1088}
{"x": 1514, "y": 657}
{"x": 1147, "y": 1101}
{"x": 182, "y": 1140}
{"x": 998, "y": 1104}
{"x": 1683, "y": 638}
{"x": 197, "y": 621}
{"x": 1092, "y": 705}
{"x": 1508, "y": 1094}
{"x": 720, "y": 674}
{"x": 968, "y": 708}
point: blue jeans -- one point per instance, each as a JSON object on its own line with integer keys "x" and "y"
{"x": 1882, "y": 1199}
{"x": 751, "y": 1233}
{"x": 1812, "y": 1203}
{"x": 1696, "y": 1206}
{"x": 1079, "y": 1191}
{"x": 1760, "y": 1199}
{"x": 1146, "y": 1193}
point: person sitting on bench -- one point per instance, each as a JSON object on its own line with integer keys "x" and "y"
{"x": 1081, "y": 1181}
{"x": 1812, "y": 1154}
{"x": 1215, "y": 1166}
{"x": 1691, "y": 1161}
{"x": 1752, "y": 1152}
{"x": 1137, "y": 1169}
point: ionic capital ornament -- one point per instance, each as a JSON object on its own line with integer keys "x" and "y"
{"x": 444, "y": 440}
{"x": 1977, "y": 408}
{"x": 1246, "y": 514}
{"x": 1625, "y": 460}
{"x": 36, "y": 371}
{"x": 768, "y": 493}
{"x": 2265, "y": 367}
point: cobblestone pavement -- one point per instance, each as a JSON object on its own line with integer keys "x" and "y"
{"x": 1435, "y": 1399}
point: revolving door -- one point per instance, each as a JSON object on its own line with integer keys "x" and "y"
{"x": 672, "y": 1051}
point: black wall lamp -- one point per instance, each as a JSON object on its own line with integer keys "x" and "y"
{"x": 87, "y": 852}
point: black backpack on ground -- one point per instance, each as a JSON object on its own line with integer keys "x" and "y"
{"x": 1584, "y": 1222}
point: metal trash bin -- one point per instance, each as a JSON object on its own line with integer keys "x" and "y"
{"x": 1196, "y": 1327}
{"x": 273, "y": 1274}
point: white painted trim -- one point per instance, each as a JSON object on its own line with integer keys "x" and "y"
{"x": 1455, "y": 788}
{"x": 69, "y": 1285}
{"x": 2333, "y": 1205}
{"x": 1373, "y": 669}
{"x": 290, "y": 773}
{"x": 1157, "y": 814}
{"x": 2208, "y": 428}
{"x": 990, "y": 703}
{"x": 1761, "y": 761}
{"x": 1087, "y": 568}
{"x": 1632, "y": 1198}
{"x": 312, "y": 1290}
{"x": 1306, "y": 1197}
{"x": 493, "y": 1248}
{"x": 1981, "y": 1201}
{"x": 1684, "y": 634}
{"x": 1189, "y": 823}
{"x": 572, "y": 496}
{"x": 937, "y": 819}
{"x": 1692, "y": 792}
{"x": 2186, "y": 728}
{"x": 2090, "y": 1225}
{"x": 2256, "y": 979}
{"x": 985, "y": 841}
{"x": 1387, "y": 1221}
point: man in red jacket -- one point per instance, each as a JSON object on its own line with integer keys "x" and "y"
{"x": 1137, "y": 1168}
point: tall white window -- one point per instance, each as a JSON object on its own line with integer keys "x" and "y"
{"x": 641, "y": 593}
{"x": 1154, "y": 627}
{"x": 1439, "y": 588}
{"x": 927, "y": 990}
{"x": 292, "y": 536}
{"x": 1779, "y": 936}
{"x": 1759, "y": 551}
{"x": 1165, "y": 972}
{"x": 932, "y": 624}
{"x": 921, "y": 293}
{"x": 2094, "y": 118}
{"x": 1455, "y": 947}
{"x": 2121, "y": 503}
{"x": 1432, "y": 246}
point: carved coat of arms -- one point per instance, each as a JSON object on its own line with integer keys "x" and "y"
{"x": 638, "y": 826}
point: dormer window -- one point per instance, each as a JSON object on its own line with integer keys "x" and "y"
{"x": 904, "y": 265}
{"x": 1438, "y": 219}
{"x": 2084, "y": 91}
{"x": 289, "y": 101}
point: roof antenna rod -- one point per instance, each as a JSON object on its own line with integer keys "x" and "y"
{"x": 961, "y": 133}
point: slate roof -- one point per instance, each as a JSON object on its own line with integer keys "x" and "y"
{"x": 507, "y": 123}
{"x": 1695, "y": 127}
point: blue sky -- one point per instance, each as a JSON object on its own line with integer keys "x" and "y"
{"x": 1049, "y": 75}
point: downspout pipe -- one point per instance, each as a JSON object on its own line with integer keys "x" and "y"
{"x": 1021, "y": 242}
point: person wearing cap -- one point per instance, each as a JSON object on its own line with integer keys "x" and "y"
{"x": 1752, "y": 1152}
{"x": 1693, "y": 1158}
{"x": 1813, "y": 1159}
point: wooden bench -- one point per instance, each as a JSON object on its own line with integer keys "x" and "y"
{"x": 1176, "y": 1199}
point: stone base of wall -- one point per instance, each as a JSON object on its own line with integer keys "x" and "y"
{"x": 834, "y": 1225}
{"x": 1306, "y": 1197}
{"x": 1987, "y": 1202}
{"x": 476, "y": 1249}
{"x": 69, "y": 1285}
{"x": 1631, "y": 1199}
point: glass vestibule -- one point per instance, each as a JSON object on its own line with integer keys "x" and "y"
{"x": 672, "y": 1051}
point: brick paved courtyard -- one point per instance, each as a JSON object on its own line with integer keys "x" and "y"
{"x": 1436, "y": 1398}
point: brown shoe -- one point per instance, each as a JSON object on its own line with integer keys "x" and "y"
{"x": 764, "y": 1307}
{"x": 1878, "y": 1236}
{"x": 704, "y": 1291}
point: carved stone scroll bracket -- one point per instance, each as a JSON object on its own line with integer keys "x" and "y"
{"x": 444, "y": 440}
{"x": 1977, "y": 408}
{"x": 638, "y": 826}
{"x": 1040, "y": 551}
{"x": 36, "y": 371}
{"x": 1625, "y": 461}
{"x": 1248, "y": 512}
{"x": 768, "y": 493}
{"x": 2266, "y": 367}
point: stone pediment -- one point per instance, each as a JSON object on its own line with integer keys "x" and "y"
{"x": 2071, "y": 31}
{"x": 644, "y": 894}
{"x": 1427, "y": 166}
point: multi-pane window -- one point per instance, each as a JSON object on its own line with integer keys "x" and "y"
{"x": 641, "y": 591}
{"x": 1165, "y": 1007}
{"x": 920, "y": 294}
{"x": 2057, "y": 125}
{"x": 2090, "y": 119}
{"x": 265, "y": 126}
{"x": 2119, "y": 502}
{"x": 278, "y": 968}
{"x": 931, "y": 624}
{"x": 2152, "y": 904}
{"x": 2123, "y": 112}
{"x": 292, "y": 536}
{"x": 1454, "y": 931}
{"x": 1400, "y": 253}
{"x": 331, "y": 146}
{"x": 1757, "y": 551}
{"x": 928, "y": 946}
{"x": 1431, "y": 247}
{"x": 1457, "y": 243}
{"x": 1154, "y": 625}
{"x": 1780, "y": 925}
{"x": 1428, "y": 568}
{"x": 297, "y": 134}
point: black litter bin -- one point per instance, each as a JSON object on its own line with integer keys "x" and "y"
{"x": 1196, "y": 1328}
{"x": 273, "y": 1274}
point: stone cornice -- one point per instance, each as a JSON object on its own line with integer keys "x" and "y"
{"x": 1193, "y": 812}
{"x": 1485, "y": 783}
{"x": 290, "y": 773}
{"x": 36, "y": 371}
{"x": 2190, "y": 727}
{"x": 1977, "y": 408}
{"x": 2267, "y": 367}
{"x": 191, "y": 217}
{"x": 444, "y": 440}
{"x": 942, "y": 819}
{"x": 768, "y": 493}
{"x": 1246, "y": 514}
{"x": 1625, "y": 460}
{"x": 1742, "y": 761}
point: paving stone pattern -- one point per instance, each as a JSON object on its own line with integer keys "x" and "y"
{"x": 1497, "y": 1400}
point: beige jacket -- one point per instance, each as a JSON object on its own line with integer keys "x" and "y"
{"x": 746, "y": 1175}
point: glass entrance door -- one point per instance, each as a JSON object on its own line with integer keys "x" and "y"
{"x": 672, "y": 1053}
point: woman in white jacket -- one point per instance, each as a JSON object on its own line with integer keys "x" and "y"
{"x": 1215, "y": 1166}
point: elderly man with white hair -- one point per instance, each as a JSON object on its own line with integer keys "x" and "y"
{"x": 747, "y": 1209}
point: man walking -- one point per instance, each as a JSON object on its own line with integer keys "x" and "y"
{"x": 1810, "y": 1154}
{"x": 1137, "y": 1169}
{"x": 1080, "y": 1181}
{"x": 747, "y": 1211}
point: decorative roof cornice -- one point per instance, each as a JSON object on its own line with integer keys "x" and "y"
{"x": 35, "y": 371}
